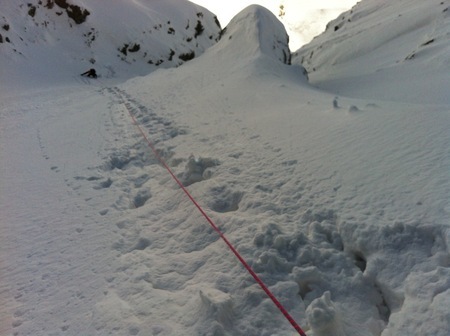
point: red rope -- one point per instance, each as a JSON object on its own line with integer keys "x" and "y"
{"x": 214, "y": 226}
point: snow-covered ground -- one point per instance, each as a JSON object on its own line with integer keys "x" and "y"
{"x": 335, "y": 190}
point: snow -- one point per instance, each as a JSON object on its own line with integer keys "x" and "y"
{"x": 303, "y": 20}
{"x": 155, "y": 37}
{"x": 395, "y": 40}
{"x": 334, "y": 189}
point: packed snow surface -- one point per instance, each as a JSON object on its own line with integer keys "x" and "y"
{"x": 335, "y": 189}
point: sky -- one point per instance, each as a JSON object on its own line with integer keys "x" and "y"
{"x": 303, "y": 19}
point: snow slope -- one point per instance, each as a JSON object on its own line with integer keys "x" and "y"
{"x": 338, "y": 200}
{"x": 304, "y": 21}
{"x": 379, "y": 41}
{"x": 120, "y": 39}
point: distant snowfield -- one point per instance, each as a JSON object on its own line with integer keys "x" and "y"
{"x": 336, "y": 191}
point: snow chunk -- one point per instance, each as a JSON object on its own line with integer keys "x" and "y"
{"x": 217, "y": 304}
{"x": 324, "y": 317}
{"x": 196, "y": 170}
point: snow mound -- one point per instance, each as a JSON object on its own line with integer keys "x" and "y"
{"x": 384, "y": 41}
{"x": 255, "y": 30}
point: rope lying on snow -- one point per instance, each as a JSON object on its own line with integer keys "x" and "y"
{"x": 215, "y": 227}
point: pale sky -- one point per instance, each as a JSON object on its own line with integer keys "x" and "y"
{"x": 303, "y": 19}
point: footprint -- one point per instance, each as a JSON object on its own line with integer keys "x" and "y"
{"x": 224, "y": 200}
{"x": 141, "y": 198}
{"x": 104, "y": 184}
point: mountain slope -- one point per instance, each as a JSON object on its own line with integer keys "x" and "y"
{"x": 380, "y": 41}
{"x": 118, "y": 38}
